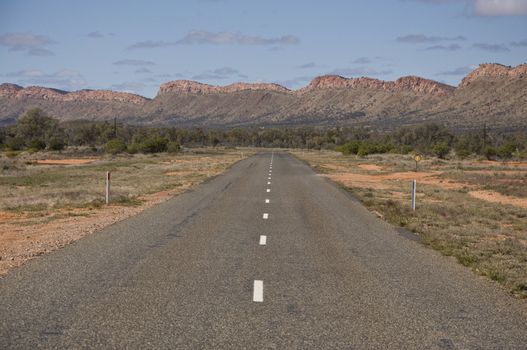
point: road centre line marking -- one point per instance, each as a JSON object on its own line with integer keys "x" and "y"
{"x": 263, "y": 240}
{"x": 268, "y": 190}
{"x": 269, "y": 178}
{"x": 258, "y": 291}
{"x": 268, "y": 182}
{"x": 267, "y": 201}
{"x": 266, "y": 216}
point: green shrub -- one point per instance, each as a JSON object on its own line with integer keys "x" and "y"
{"x": 506, "y": 151}
{"x": 462, "y": 153}
{"x": 154, "y": 144}
{"x": 490, "y": 152}
{"x": 15, "y": 143}
{"x": 440, "y": 149}
{"x": 173, "y": 147}
{"x": 56, "y": 144}
{"x": 115, "y": 146}
{"x": 349, "y": 148}
{"x": 37, "y": 145}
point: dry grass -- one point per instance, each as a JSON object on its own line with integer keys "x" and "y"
{"x": 473, "y": 210}
{"x": 29, "y": 185}
{"x": 52, "y": 199}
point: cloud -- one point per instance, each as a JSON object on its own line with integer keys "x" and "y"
{"x": 132, "y": 62}
{"x": 149, "y": 80}
{"x": 362, "y": 71}
{"x": 150, "y": 44}
{"x": 522, "y": 43}
{"x": 458, "y": 71}
{"x": 129, "y": 86}
{"x": 362, "y": 60}
{"x": 64, "y": 79}
{"x": 500, "y": 7}
{"x": 420, "y": 38}
{"x": 451, "y": 47}
{"x": 433, "y": 2}
{"x": 311, "y": 65}
{"x": 295, "y": 82}
{"x": 219, "y": 74}
{"x": 308, "y": 65}
{"x": 39, "y": 51}
{"x": 491, "y": 47}
{"x": 95, "y": 34}
{"x": 143, "y": 71}
{"x": 32, "y": 44}
{"x": 230, "y": 38}
{"x": 485, "y": 7}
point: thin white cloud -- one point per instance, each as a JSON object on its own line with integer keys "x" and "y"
{"x": 295, "y": 82}
{"x": 150, "y": 44}
{"x": 143, "y": 70}
{"x": 132, "y": 62}
{"x": 421, "y": 38}
{"x": 230, "y": 38}
{"x": 362, "y": 60}
{"x": 32, "y": 44}
{"x": 95, "y": 34}
{"x": 219, "y": 74}
{"x": 64, "y": 79}
{"x": 129, "y": 86}
{"x": 521, "y": 43}
{"x": 451, "y": 47}
{"x": 39, "y": 51}
{"x": 460, "y": 71}
{"x": 500, "y": 7}
{"x": 491, "y": 47}
{"x": 362, "y": 71}
{"x": 308, "y": 65}
{"x": 485, "y": 8}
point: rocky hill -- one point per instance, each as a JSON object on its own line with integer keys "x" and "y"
{"x": 492, "y": 94}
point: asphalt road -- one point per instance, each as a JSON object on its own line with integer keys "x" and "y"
{"x": 193, "y": 273}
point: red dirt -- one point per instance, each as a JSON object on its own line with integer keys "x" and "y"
{"x": 495, "y": 197}
{"x": 20, "y": 243}
{"x": 71, "y": 161}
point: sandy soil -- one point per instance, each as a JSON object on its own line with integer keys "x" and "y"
{"x": 23, "y": 242}
{"x": 494, "y": 163}
{"x": 380, "y": 181}
{"x": 370, "y": 167}
{"x": 71, "y": 161}
{"x": 495, "y": 197}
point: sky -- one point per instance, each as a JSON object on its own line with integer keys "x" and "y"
{"x": 135, "y": 46}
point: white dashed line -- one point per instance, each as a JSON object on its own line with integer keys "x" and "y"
{"x": 263, "y": 240}
{"x": 268, "y": 182}
{"x": 258, "y": 291}
{"x": 268, "y": 190}
{"x": 266, "y": 216}
{"x": 267, "y": 201}
{"x": 269, "y": 178}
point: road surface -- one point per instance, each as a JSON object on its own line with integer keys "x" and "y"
{"x": 267, "y": 255}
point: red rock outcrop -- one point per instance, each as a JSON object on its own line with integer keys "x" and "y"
{"x": 18, "y": 92}
{"x": 410, "y": 83}
{"x": 193, "y": 87}
{"x": 494, "y": 70}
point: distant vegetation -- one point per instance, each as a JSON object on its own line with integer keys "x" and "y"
{"x": 35, "y": 132}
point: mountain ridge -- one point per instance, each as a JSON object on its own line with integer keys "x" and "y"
{"x": 491, "y": 93}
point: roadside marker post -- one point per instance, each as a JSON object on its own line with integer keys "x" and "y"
{"x": 108, "y": 187}
{"x": 417, "y": 158}
{"x": 414, "y": 185}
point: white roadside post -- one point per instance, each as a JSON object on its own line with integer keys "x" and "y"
{"x": 414, "y": 185}
{"x": 107, "y": 187}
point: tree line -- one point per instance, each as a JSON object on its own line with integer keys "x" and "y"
{"x": 36, "y": 131}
